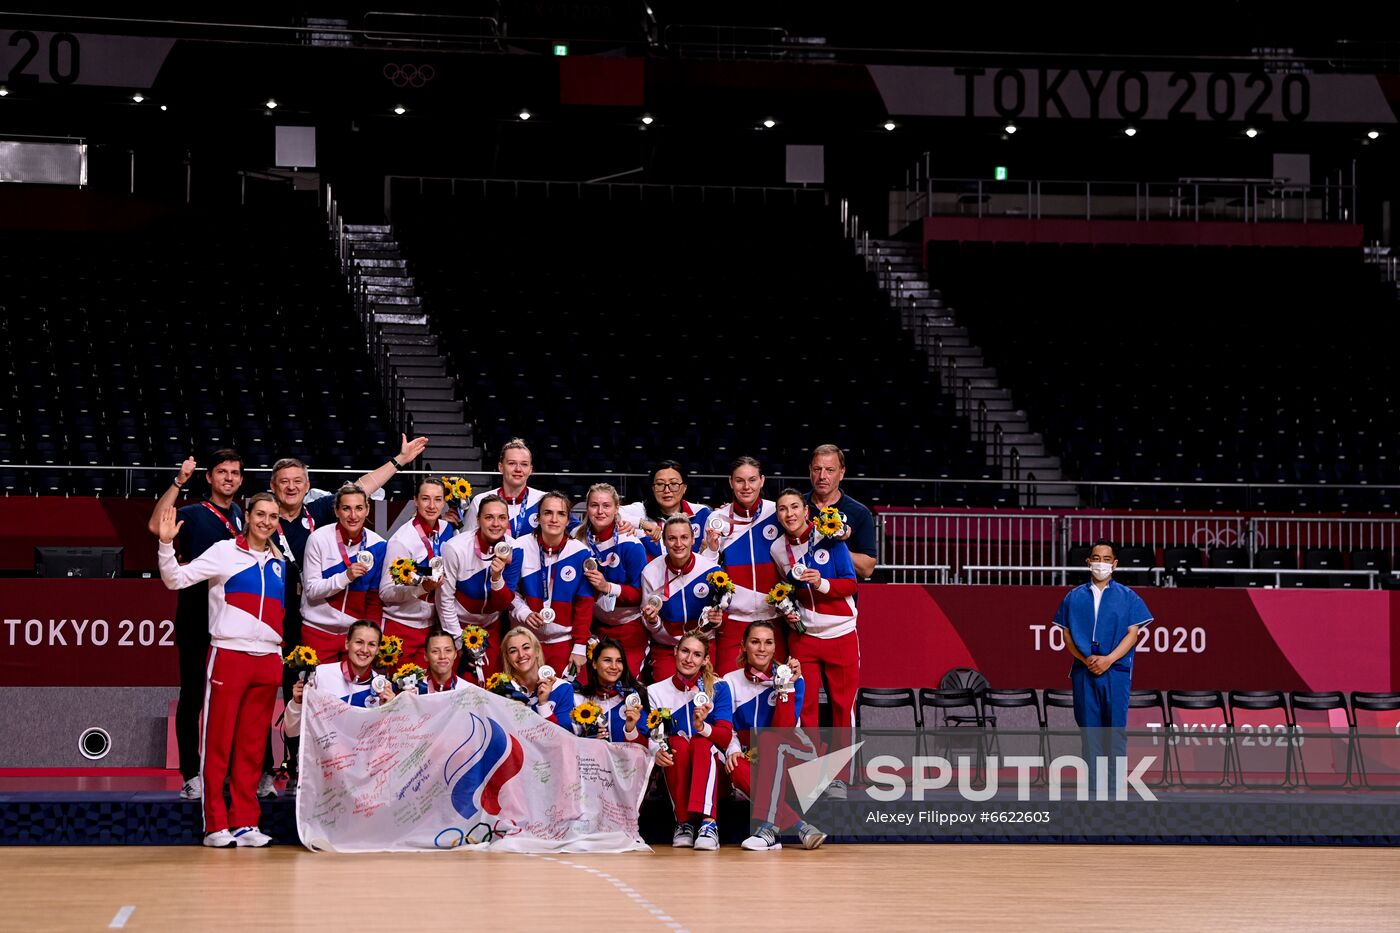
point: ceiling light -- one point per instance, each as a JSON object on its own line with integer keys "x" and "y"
{"x": 769, "y": 123}
{"x": 138, "y": 97}
{"x": 400, "y": 110}
{"x": 889, "y": 125}
{"x": 1373, "y": 134}
{"x": 1010, "y": 128}
{"x": 1251, "y": 132}
{"x": 647, "y": 119}
{"x": 1130, "y": 131}
{"x": 271, "y": 104}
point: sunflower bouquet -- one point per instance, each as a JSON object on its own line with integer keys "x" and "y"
{"x": 829, "y": 525}
{"x": 721, "y": 589}
{"x": 501, "y": 685}
{"x": 301, "y": 661}
{"x": 475, "y": 641}
{"x": 660, "y": 724}
{"x": 408, "y": 677}
{"x": 588, "y": 716}
{"x": 390, "y": 650}
{"x": 780, "y": 598}
{"x": 456, "y": 493}
{"x": 404, "y": 572}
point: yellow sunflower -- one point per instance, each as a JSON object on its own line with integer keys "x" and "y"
{"x": 389, "y": 651}
{"x": 586, "y": 714}
{"x": 657, "y": 716}
{"x": 779, "y": 592}
{"x": 449, "y": 483}
{"x": 405, "y": 670}
{"x": 473, "y": 638}
{"x": 496, "y": 681}
{"x": 719, "y": 580}
{"x": 462, "y": 489}
{"x": 307, "y": 655}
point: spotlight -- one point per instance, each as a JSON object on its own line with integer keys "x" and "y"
{"x": 524, "y": 114}
{"x": 1130, "y": 131}
{"x": 1010, "y": 128}
{"x": 400, "y": 110}
{"x": 1251, "y": 132}
{"x": 271, "y": 104}
{"x": 4, "y": 91}
{"x": 1373, "y": 134}
{"x": 769, "y": 123}
{"x": 647, "y": 119}
{"x": 889, "y": 125}
{"x": 138, "y": 97}
{"x": 163, "y": 108}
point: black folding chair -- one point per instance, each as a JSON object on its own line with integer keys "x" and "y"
{"x": 1207, "y": 746}
{"x": 1262, "y": 744}
{"x": 1316, "y": 741}
{"x": 1377, "y": 739}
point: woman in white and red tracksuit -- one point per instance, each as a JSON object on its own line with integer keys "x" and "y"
{"x": 758, "y": 711}
{"x": 680, "y": 581}
{"x": 825, "y": 593}
{"x": 340, "y": 576}
{"x": 409, "y": 611}
{"x": 751, "y": 526}
{"x": 617, "y": 577}
{"x": 667, "y": 484}
{"x": 698, "y": 732}
{"x": 351, "y": 679}
{"x": 551, "y": 576}
{"x": 478, "y": 585}
{"x": 607, "y": 683}
{"x": 246, "y": 576}
{"x": 521, "y": 659}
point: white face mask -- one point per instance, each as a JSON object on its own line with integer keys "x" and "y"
{"x": 1101, "y": 571}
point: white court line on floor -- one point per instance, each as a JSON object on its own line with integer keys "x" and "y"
{"x": 122, "y": 917}
{"x": 657, "y": 913}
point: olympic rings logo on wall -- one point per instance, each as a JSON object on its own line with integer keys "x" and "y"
{"x": 409, "y": 75}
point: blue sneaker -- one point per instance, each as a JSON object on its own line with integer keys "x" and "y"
{"x": 708, "y": 838}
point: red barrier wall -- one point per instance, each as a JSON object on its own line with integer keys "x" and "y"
{"x": 1139, "y": 232}
{"x": 121, "y": 633}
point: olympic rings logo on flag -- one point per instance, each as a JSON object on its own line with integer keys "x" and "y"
{"x": 409, "y": 75}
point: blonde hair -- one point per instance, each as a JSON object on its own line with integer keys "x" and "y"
{"x": 536, "y": 651}
{"x": 581, "y": 532}
{"x": 707, "y": 670}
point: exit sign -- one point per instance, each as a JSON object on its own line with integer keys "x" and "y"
{"x": 561, "y": 50}
{"x": 1000, "y": 173}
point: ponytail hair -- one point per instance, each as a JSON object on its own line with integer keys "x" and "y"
{"x": 743, "y": 658}
{"x": 707, "y": 669}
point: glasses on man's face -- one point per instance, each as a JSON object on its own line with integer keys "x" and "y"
{"x": 666, "y": 487}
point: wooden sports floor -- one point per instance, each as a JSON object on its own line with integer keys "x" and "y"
{"x": 848, "y": 887}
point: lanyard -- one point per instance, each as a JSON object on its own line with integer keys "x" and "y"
{"x": 344, "y": 553}
{"x": 350, "y": 680}
{"x": 673, "y": 576}
{"x": 592, "y": 541}
{"x": 232, "y": 529}
{"x": 428, "y": 542}
{"x": 549, "y": 561}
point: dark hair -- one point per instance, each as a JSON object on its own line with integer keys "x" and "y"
{"x": 587, "y": 684}
{"x": 745, "y": 461}
{"x": 436, "y": 632}
{"x": 1104, "y": 542}
{"x": 789, "y": 491}
{"x": 435, "y": 480}
{"x": 650, "y": 506}
{"x": 224, "y": 455}
{"x": 490, "y": 497}
{"x": 350, "y": 489}
{"x": 363, "y": 623}
{"x": 287, "y": 463}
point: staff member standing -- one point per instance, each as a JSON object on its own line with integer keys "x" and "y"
{"x": 826, "y": 471}
{"x": 202, "y": 525}
{"x": 1101, "y": 621}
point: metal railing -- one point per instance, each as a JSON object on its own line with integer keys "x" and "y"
{"x": 913, "y": 542}
{"x": 1246, "y": 200}
{"x": 1343, "y": 534}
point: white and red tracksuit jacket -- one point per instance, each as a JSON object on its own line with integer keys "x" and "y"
{"x": 744, "y": 554}
{"x": 685, "y": 596}
{"x": 410, "y": 605}
{"x": 330, "y": 601}
{"x": 829, "y": 608}
{"x": 556, "y": 578}
{"x": 467, "y": 595}
{"x": 246, "y": 593}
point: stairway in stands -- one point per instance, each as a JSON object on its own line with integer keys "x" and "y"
{"x": 408, "y": 357}
{"x": 1012, "y": 445}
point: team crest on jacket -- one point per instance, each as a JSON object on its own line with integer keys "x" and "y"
{"x": 612, "y": 560}
{"x": 695, "y": 529}
{"x": 277, "y": 570}
{"x": 568, "y": 574}
{"x": 771, "y": 532}
{"x": 306, "y": 522}
{"x": 535, "y": 520}
{"x": 822, "y": 556}
{"x": 702, "y": 590}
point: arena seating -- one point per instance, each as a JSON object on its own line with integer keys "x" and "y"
{"x": 146, "y": 348}
{"x": 1193, "y": 364}
{"x": 725, "y": 329}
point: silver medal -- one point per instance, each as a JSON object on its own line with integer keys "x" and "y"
{"x": 546, "y": 615}
{"x": 546, "y": 672}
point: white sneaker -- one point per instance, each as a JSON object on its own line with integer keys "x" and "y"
{"x": 836, "y": 790}
{"x": 764, "y": 840}
{"x": 266, "y": 787}
{"x": 810, "y": 836}
{"x": 193, "y": 789}
{"x": 683, "y": 837}
{"x": 707, "y": 840}
{"x": 251, "y": 836}
{"x": 223, "y": 839}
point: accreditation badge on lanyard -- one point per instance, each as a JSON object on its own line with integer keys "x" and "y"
{"x": 431, "y": 542}
{"x": 223, "y": 520}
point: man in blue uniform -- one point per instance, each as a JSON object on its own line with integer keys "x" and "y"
{"x": 826, "y": 470}
{"x": 1101, "y": 621}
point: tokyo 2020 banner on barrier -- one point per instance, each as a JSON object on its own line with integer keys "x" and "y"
{"x": 462, "y": 769}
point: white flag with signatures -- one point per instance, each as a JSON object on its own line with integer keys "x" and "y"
{"x": 462, "y": 769}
